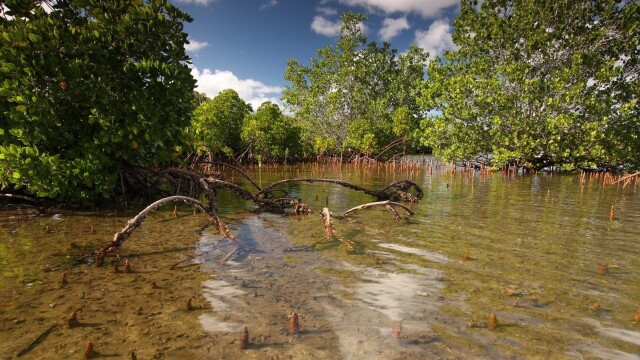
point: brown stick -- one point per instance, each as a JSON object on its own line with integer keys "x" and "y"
{"x": 222, "y": 229}
{"x": 328, "y": 225}
{"x": 37, "y": 340}
{"x": 387, "y": 204}
{"x": 173, "y": 266}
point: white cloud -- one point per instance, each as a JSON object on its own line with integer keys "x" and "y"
{"x": 251, "y": 91}
{"x": 392, "y": 27}
{"x": 195, "y": 45}
{"x": 425, "y": 8}
{"x": 326, "y": 27}
{"x": 197, "y": 2}
{"x": 268, "y": 4}
{"x": 436, "y": 39}
{"x": 327, "y": 11}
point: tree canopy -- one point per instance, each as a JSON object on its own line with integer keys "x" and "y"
{"x": 537, "y": 84}
{"x": 356, "y": 95}
{"x": 217, "y": 124}
{"x": 270, "y": 134}
{"x": 87, "y": 88}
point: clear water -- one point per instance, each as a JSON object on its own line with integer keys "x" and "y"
{"x": 527, "y": 247}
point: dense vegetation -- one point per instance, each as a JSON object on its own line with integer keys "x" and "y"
{"x": 538, "y": 84}
{"x": 93, "y": 89}
{"x": 89, "y": 90}
{"x": 357, "y": 96}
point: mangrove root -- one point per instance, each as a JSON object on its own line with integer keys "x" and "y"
{"x": 389, "y": 205}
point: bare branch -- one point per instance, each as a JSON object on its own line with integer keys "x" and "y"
{"x": 387, "y": 204}
{"x": 137, "y": 221}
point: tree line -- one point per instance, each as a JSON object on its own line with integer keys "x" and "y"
{"x": 93, "y": 89}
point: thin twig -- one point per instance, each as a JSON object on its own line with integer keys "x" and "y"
{"x": 37, "y": 340}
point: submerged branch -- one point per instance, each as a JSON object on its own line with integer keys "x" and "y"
{"x": 398, "y": 190}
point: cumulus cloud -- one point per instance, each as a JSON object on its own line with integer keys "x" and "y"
{"x": 251, "y": 91}
{"x": 323, "y": 26}
{"x": 425, "y": 8}
{"x": 195, "y": 45}
{"x": 268, "y": 4}
{"x": 326, "y": 27}
{"x": 392, "y": 27}
{"x": 197, "y": 2}
{"x": 436, "y": 39}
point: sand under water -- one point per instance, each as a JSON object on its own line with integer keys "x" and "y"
{"x": 345, "y": 310}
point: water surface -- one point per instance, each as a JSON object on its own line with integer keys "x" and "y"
{"x": 529, "y": 248}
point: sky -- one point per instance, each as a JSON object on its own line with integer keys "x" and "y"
{"x": 245, "y": 44}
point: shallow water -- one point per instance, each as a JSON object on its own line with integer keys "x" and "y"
{"x": 525, "y": 247}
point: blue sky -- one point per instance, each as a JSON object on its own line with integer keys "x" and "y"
{"x": 245, "y": 44}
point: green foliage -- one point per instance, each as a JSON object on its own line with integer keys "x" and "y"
{"x": 270, "y": 134}
{"x": 346, "y": 98}
{"x": 86, "y": 88}
{"x": 539, "y": 83}
{"x": 217, "y": 124}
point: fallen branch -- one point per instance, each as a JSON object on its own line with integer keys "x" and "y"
{"x": 389, "y": 205}
{"x": 173, "y": 266}
{"x": 37, "y": 340}
{"x": 234, "y": 168}
{"x": 398, "y": 190}
{"x": 137, "y": 221}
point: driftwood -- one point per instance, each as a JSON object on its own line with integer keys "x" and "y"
{"x": 137, "y": 221}
{"x": 390, "y": 205}
{"x": 134, "y": 223}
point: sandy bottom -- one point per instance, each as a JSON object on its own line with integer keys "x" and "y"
{"x": 346, "y": 310}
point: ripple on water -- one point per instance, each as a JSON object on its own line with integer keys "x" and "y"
{"x": 429, "y": 255}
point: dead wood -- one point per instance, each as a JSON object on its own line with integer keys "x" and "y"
{"x": 312, "y": 180}
{"x": 137, "y": 221}
{"x": 328, "y": 227}
{"x": 326, "y": 221}
{"x": 37, "y": 340}
{"x": 389, "y": 205}
{"x": 235, "y": 168}
{"x": 398, "y": 190}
